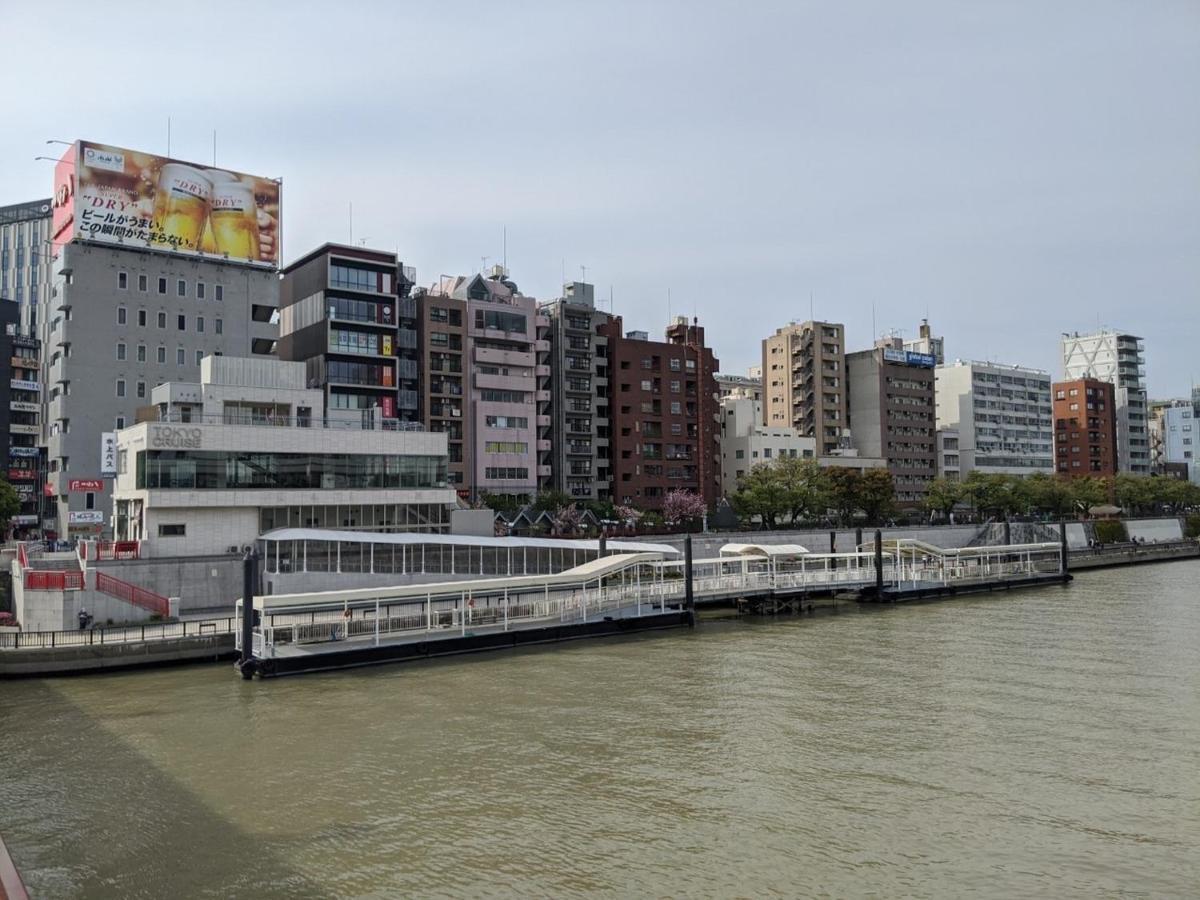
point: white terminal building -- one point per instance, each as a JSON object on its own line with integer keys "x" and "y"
{"x": 241, "y": 453}
{"x": 996, "y": 418}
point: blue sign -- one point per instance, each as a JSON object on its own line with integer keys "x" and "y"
{"x": 925, "y": 360}
{"x": 22, "y": 451}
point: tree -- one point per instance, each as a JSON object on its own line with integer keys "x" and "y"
{"x": 943, "y": 495}
{"x": 566, "y": 519}
{"x": 1049, "y": 493}
{"x": 804, "y": 486}
{"x": 508, "y": 504}
{"x": 10, "y": 504}
{"x": 877, "y": 495}
{"x": 844, "y": 486}
{"x": 1133, "y": 494}
{"x": 682, "y": 506}
{"x": 758, "y": 496}
{"x": 627, "y": 515}
{"x": 1087, "y": 492}
{"x": 549, "y": 501}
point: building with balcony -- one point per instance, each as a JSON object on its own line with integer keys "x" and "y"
{"x": 20, "y": 417}
{"x": 949, "y": 464}
{"x": 1003, "y": 415}
{"x": 662, "y": 399}
{"x": 746, "y": 442}
{"x": 741, "y": 386}
{"x": 1181, "y": 439}
{"x": 577, "y": 426}
{"x": 1085, "y": 428}
{"x": 117, "y": 322}
{"x": 25, "y": 259}
{"x": 803, "y": 381}
{"x": 1120, "y": 360}
{"x": 347, "y": 314}
{"x": 478, "y": 341}
{"x": 242, "y": 452}
{"x": 892, "y": 414}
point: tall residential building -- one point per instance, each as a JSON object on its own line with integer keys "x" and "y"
{"x": 578, "y": 432}
{"x": 1181, "y": 438}
{"x": 20, "y": 416}
{"x": 663, "y": 410}
{"x": 1085, "y": 428}
{"x": 481, "y": 381}
{"x": 746, "y": 441}
{"x": 804, "y": 381}
{"x": 25, "y": 259}
{"x": 927, "y": 344}
{"x": 346, "y": 313}
{"x": 892, "y": 414}
{"x": 1003, "y": 415}
{"x": 1120, "y": 360}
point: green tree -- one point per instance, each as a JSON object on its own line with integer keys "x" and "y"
{"x": 844, "y": 487}
{"x": 550, "y": 501}
{"x": 1049, "y": 494}
{"x": 1087, "y": 492}
{"x": 877, "y": 495}
{"x": 10, "y": 504}
{"x": 804, "y": 487}
{"x": 759, "y": 496}
{"x": 943, "y": 495}
{"x": 1133, "y": 493}
{"x": 508, "y": 504}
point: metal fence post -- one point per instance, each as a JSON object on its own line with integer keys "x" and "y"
{"x": 249, "y": 577}
{"x": 689, "y": 595}
{"x": 878, "y": 564}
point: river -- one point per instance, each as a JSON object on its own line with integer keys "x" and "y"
{"x": 1040, "y": 743}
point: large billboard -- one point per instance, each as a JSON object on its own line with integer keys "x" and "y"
{"x": 118, "y": 196}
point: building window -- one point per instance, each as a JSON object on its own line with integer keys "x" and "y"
{"x": 89, "y": 500}
{"x": 162, "y": 285}
{"x": 162, "y": 355}
{"x": 220, "y": 292}
{"x": 142, "y": 283}
{"x": 141, "y": 390}
{"x": 120, "y": 387}
{"x": 162, "y": 320}
{"x": 181, "y": 288}
{"x": 200, "y": 324}
{"x": 179, "y": 357}
{"x": 122, "y": 315}
{"x": 218, "y": 326}
{"x": 141, "y": 353}
{"x": 120, "y": 422}
{"x": 172, "y": 530}
{"x": 199, "y": 290}
{"x": 122, "y": 283}
{"x": 182, "y": 323}
{"x": 141, "y": 318}
{"x": 199, "y": 356}
{"x": 120, "y": 350}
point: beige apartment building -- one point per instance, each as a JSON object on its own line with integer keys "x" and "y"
{"x": 804, "y": 382}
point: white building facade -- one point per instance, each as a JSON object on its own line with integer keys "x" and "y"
{"x": 746, "y": 442}
{"x": 1003, "y": 416}
{"x": 1120, "y": 360}
{"x": 1179, "y": 438}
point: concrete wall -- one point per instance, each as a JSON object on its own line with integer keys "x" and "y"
{"x": 1155, "y": 529}
{"x": 201, "y": 583}
{"x": 59, "y": 610}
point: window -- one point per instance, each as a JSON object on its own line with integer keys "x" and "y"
{"x": 120, "y": 387}
{"x": 499, "y": 320}
{"x": 181, "y": 322}
{"x": 356, "y": 279}
{"x": 647, "y": 386}
{"x": 120, "y": 350}
{"x": 179, "y": 357}
{"x": 172, "y": 530}
{"x": 141, "y": 353}
{"x": 141, "y": 318}
{"x": 218, "y": 326}
{"x": 220, "y": 292}
{"x": 181, "y": 288}
{"x": 676, "y": 408}
{"x": 162, "y": 355}
{"x": 199, "y": 290}
{"x": 122, "y": 284}
{"x": 120, "y": 422}
{"x": 141, "y": 390}
{"x": 199, "y": 356}
{"x": 506, "y": 473}
{"x": 200, "y": 324}
{"x": 505, "y": 447}
{"x": 162, "y": 320}
{"x": 506, "y": 421}
{"x": 162, "y": 285}
{"x": 122, "y": 315}
{"x": 142, "y": 283}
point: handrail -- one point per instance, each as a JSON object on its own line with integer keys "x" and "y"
{"x": 52, "y": 580}
{"x": 118, "y": 634}
{"x": 131, "y": 593}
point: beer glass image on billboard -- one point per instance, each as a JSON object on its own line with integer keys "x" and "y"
{"x": 234, "y": 219}
{"x": 181, "y": 204}
{"x": 208, "y": 243}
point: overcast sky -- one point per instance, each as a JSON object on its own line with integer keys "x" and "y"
{"x": 1016, "y": 169}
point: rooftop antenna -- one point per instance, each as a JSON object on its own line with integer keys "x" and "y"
{"x": 484, "y": 260}
{"x": 811, "y": 315}
{"x": 214, "y": 146}
{"x": 562, "y": 270}
{"x": 352, "y": 222}
{"x": 504, "y": 241}
{"x": 874, "y": 333}
{"x": 583, "y": 274}
{"x": 668, "y": 306}
{"x": 168, "y": 135}
{"x": 610, "y": 299}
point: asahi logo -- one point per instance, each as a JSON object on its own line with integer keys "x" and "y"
{"x": 176, "y": 438}
{"x": 64, "y": 192}
{"x": 112, "y": 160}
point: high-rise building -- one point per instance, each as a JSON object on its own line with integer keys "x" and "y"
{"x": 1120, "y": 360}
{"x": 892, "y": 414}
{"x": 804, "y": 381}
{"x": 1085, "y": 428}
{"x": 346, "y": 313}
{"x": 1003, "y": 415}
{"x": 25, "y": 259}
{"x": 747, "y": 442}
{"x": 578, "y": 431}
{"x": 663, "y": 410}
{"x": 1181, "y": 438}
{"x": 20, "y": 416}
{"x": 927, "y": 344}
{"x": 491, "y": 358}
{"x": 149, "y": 277}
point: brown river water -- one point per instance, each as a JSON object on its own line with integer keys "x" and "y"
{"x": 1040, "y": 743}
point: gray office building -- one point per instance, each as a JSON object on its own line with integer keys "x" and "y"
{"x": 578, "y": 426}
{"x": 115, "y": 324}
{"x": 24, "y": 257}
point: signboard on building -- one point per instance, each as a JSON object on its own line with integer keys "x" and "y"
{"x": 21, "y": 406}
{"x": 892, "y": 355}
{"x": 25, "y": 520}
{"x": 108, "y": 453}
{"x": 85, "y": 517}
{"x": 22, "y": 385}
{"x": 924, "y": 360}
{"x": 22, "y": 451}
{"x": 165, "y": 437}
{"x": 78, "y": 485}
{"x": 117, "y": 196}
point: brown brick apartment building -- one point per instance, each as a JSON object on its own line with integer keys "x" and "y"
{"x": 1085, "y": 428}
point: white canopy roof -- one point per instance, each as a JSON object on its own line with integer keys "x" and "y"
{"x": 770, "y": 551}
{"x": 460, "y": 540}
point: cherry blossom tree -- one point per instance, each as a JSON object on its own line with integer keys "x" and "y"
{"x": 680, "y": 506}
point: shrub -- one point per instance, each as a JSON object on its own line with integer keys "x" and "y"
{"x": 1110, "y": 531}
{"x": 1192, "y": 526}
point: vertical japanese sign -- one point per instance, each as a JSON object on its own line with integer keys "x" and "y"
{"x": 108, "y": 453}
{"x": 119, "y": 196}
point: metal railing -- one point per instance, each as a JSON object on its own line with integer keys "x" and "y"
{"x": 131, "y": 593}
{"x": 52, "y": 580}
{"x": 121, "y": 634}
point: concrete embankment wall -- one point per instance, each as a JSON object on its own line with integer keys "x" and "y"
{"x": 201, "y": 582}
{"x": 63, "y": 660}
{"x": 1131, "y": 557}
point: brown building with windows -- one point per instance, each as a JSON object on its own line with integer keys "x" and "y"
{"x": 804, "y": 382}
{"x": 1085, "y": 428}
{"x": 441, "y": 339}
{"x": 663, "y": 409}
